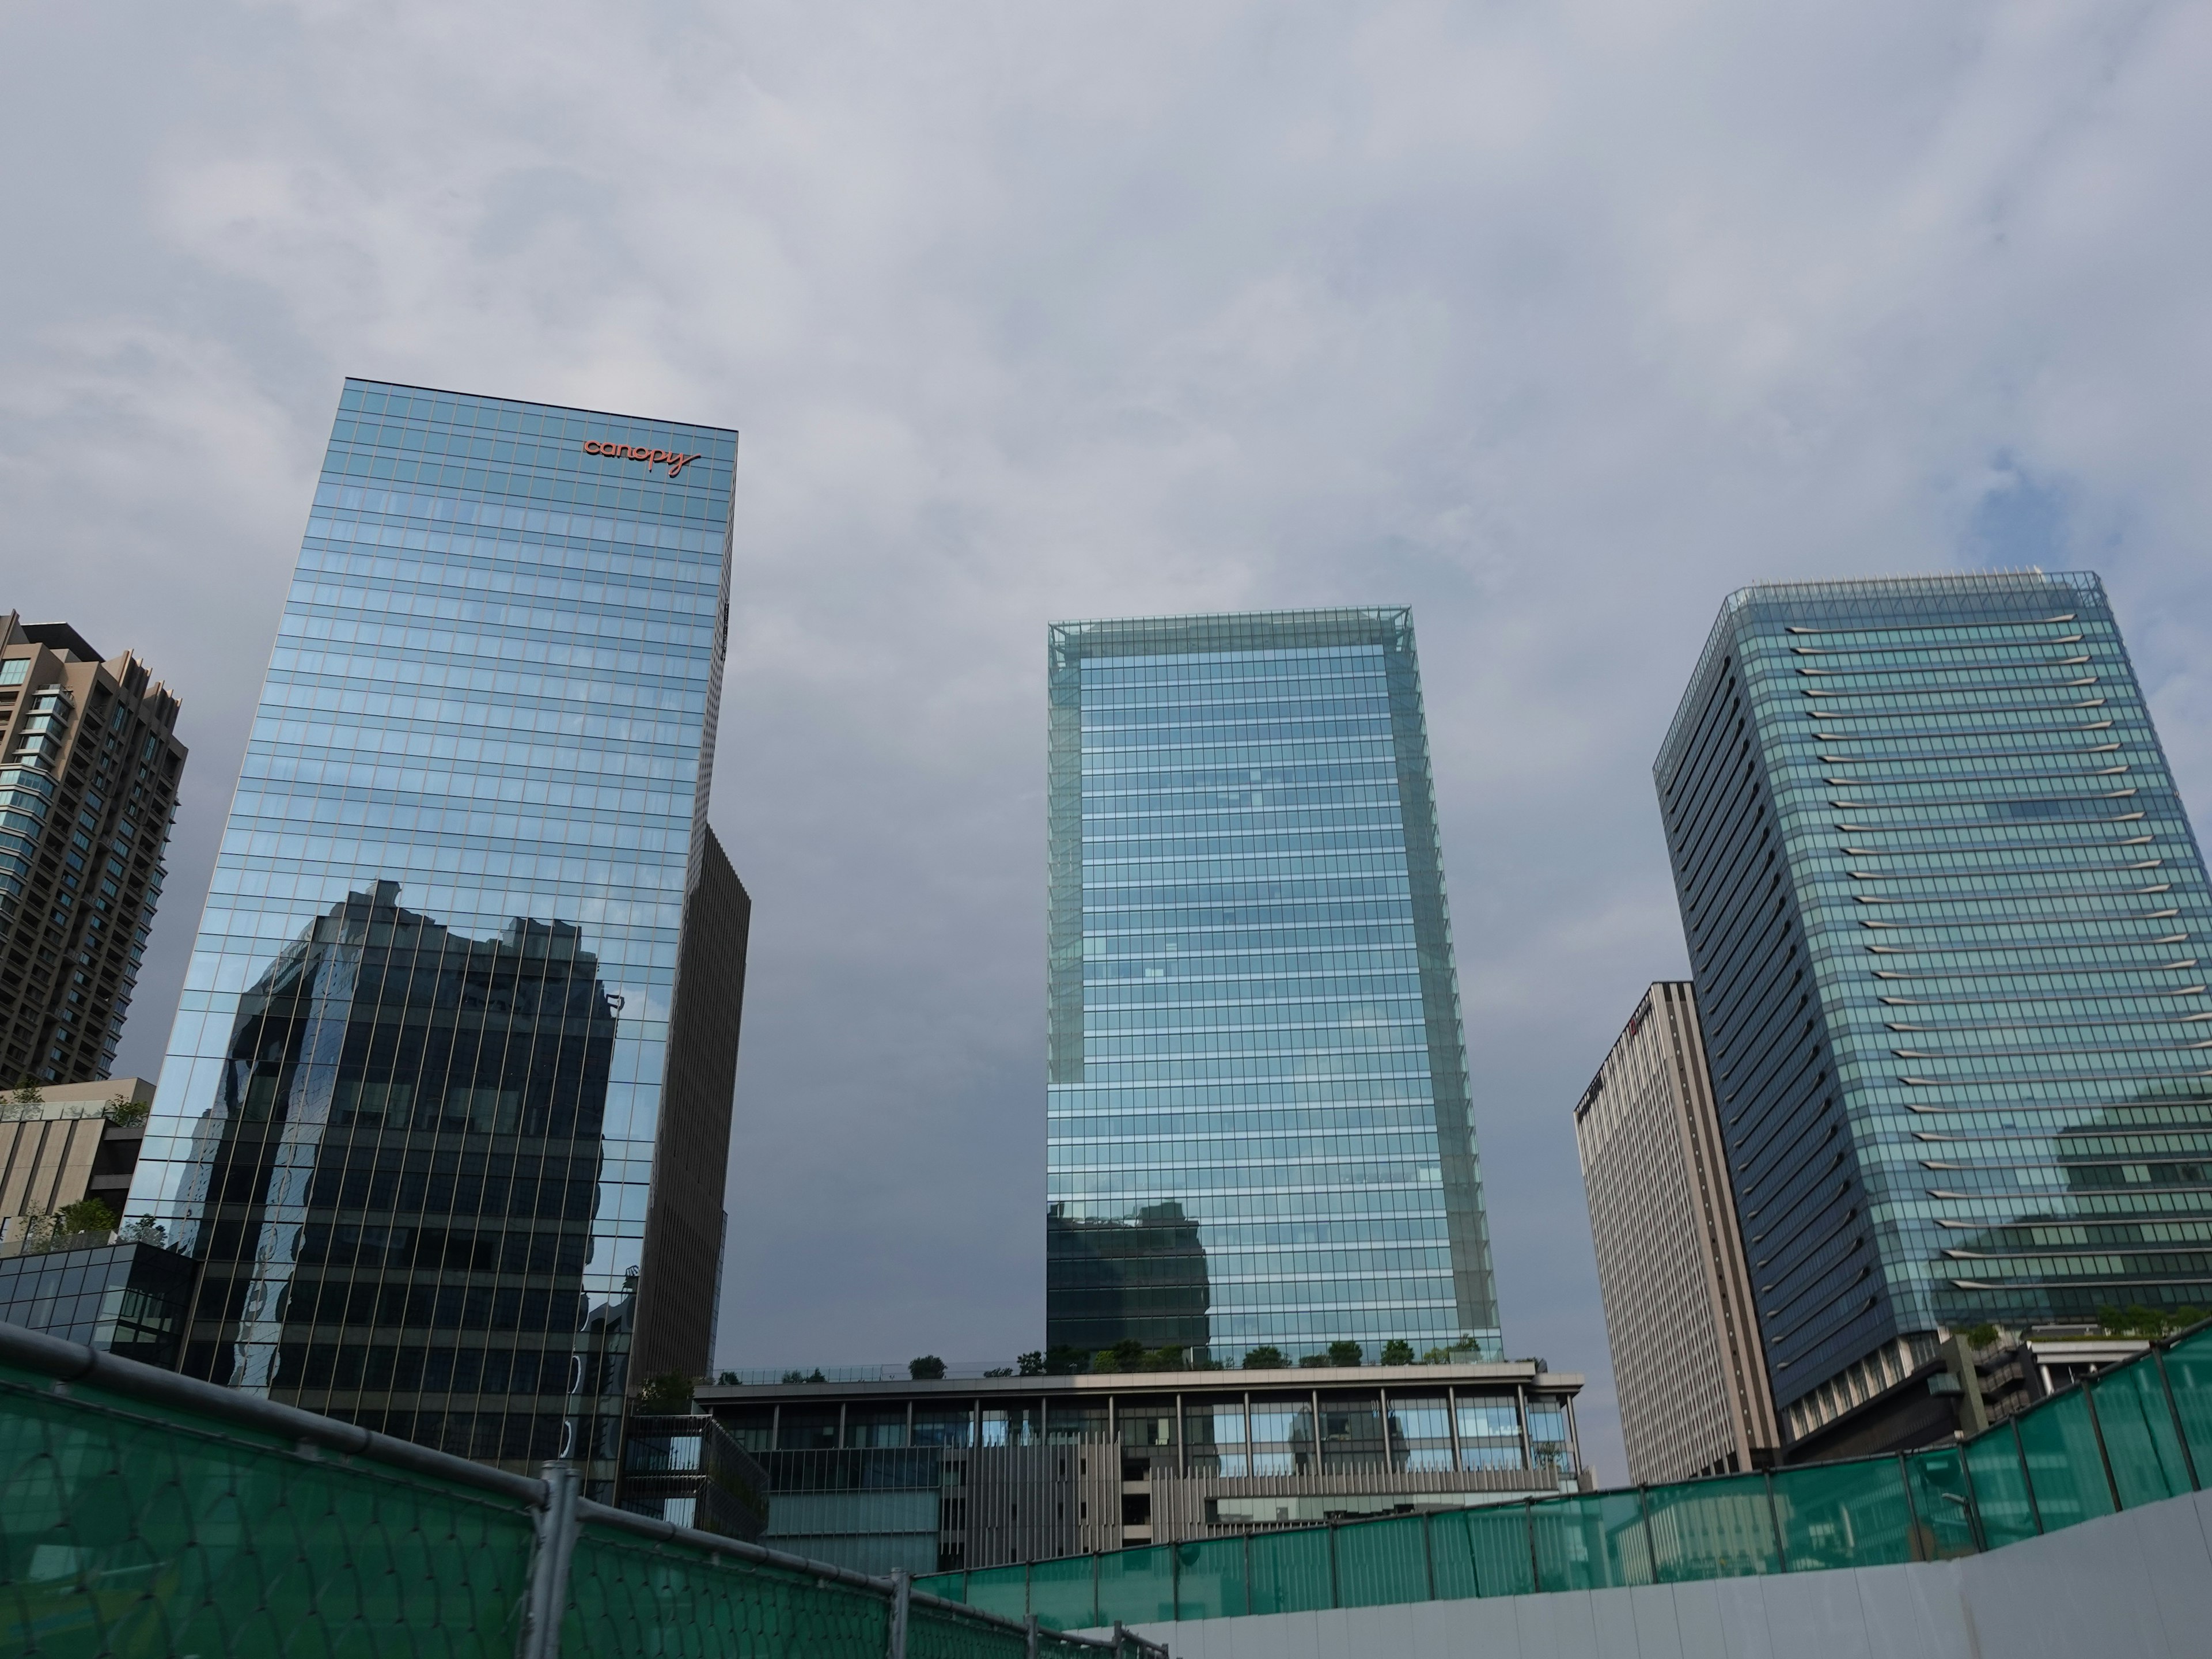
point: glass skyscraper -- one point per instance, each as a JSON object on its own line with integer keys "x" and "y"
{"x": 446, "y": 1109}
{"x": 1261, "y": 1132}
{"x": 1948, "y": 923}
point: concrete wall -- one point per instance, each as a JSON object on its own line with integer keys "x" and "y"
{"x": 2132, "y": 1586}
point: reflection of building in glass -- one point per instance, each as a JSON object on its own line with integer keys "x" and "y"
{"x": 2108, "y": 1167}
{"x": 688, "y": 1471}
{"x": 1112, "y": 1281}
{"x": 980, "y": 1473}
{"x": 1253, "y": 1014}
{"x": 410, "y": 1150}
{"x": 1948, "y": 922}
{"x": 456, "y": 1170}
{"x": 127, "y": 1296}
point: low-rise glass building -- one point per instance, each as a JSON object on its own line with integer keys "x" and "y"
{"x": 979, "y": 1472}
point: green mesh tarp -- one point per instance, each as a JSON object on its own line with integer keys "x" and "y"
{"x": 701, "y": 1605}
{"x": 129, "y": 1531}
{"x": 1003, "y": 1592}
{"x": 2142, "y": 1441}
{"x": 1843, "y": 1515}
{"x": 1721, "y": 1528}
{"x": 1290, "y": 1571}
{"x": 1942, "y": 1504}
{"x": 1380, "y": 1563}
{"x": 1063, "y": 1593}
{"x": 1593, "y": 1541}
{"x": 1211, "y": 1578}
{"x": 937, "y": 1633}
{"x": 1137, "y": 1587}
{"x": 1499, "y": 1544}
{"x": 2063, "y": 1464}
{"x": 2188, "y": 1368}
{"x": 1999, "y": 1477}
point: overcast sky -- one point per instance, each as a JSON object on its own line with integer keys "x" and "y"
{"x": 1555, "y": 320}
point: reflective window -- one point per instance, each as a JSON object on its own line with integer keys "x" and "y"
{"x": 1015, "y": 1424}
{"x": 873, "y": 1425}
{"x": 943, "y": 1426}
{"x": 1282, "y": 1428}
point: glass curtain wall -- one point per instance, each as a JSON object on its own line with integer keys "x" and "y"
{"x": 408, "y": 1115}
{"x": 1260, "y": 1132}
{"x": 1948, "y": 921}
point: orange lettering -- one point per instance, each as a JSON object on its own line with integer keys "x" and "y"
{"x": 675, "y": 459}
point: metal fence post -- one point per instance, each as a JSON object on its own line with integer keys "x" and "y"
{"x": 2180, "y": 1428}
{"x": 548, "y": 1564}
{"x": 2026, "y": 1480}
{"x": 1774, "y": 1519}
{"x": 1428, "y": 1550}
{"x": 1335, "y": 1595}
{"x": 1535, "y": 1566}
{"x": 2097, "y": 1428}
{"x": 1978, "y": 1533}
{"x": 901, "y": 1593}
{"x": 1029, "y": 1637}
{"x": 1912, "y": 1527}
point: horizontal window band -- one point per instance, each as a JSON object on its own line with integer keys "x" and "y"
{"x": 2069, "y": 1283}
{"x": 2022, "y": 808}
{"x": 1939, "y": 773}
{"x": 1964, "y": 1055}
{"x": 2183, "y": 1024}
{"x": 1996, "y": 999}
{"x": 1932, "y": 627}
{"x": 1945, "y": 676}
{"x": 2101, "y": 952}
{"x": 2107, "y": 842}
{"x": 2041, "y": 642}
{"x": 2140, "y": 868}
{"x": 2056, "y": 1078}
{"x": 2003, "y": 897}
{"x": 1931, "y": 697}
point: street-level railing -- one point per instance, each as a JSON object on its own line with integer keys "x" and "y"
{"x": 142, "y": 1513}
{"x": 2133, "y": 1435}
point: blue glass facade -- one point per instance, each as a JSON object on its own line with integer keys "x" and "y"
{"x": 1948, "y": 923}
{"x": 446, "y": 1106}
{"x": 1260, "y": 1130}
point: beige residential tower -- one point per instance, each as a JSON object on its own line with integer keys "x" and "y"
{"x": 1686, "y": 1361}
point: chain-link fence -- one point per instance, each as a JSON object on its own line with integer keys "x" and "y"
{"x": 2133, "y": 1435}
{"x": 143, "y": 1514}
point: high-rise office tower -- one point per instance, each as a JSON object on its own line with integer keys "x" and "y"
{"x": 445, "y": 1111}
{"x": 1260, "y": 1132}
{"x": 1686, "y": 1365}
{"x": 89, "y": 763}
{"x": 1949, "y": 928}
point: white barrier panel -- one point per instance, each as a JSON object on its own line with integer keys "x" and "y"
{"x": 2136, "y": 1585}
